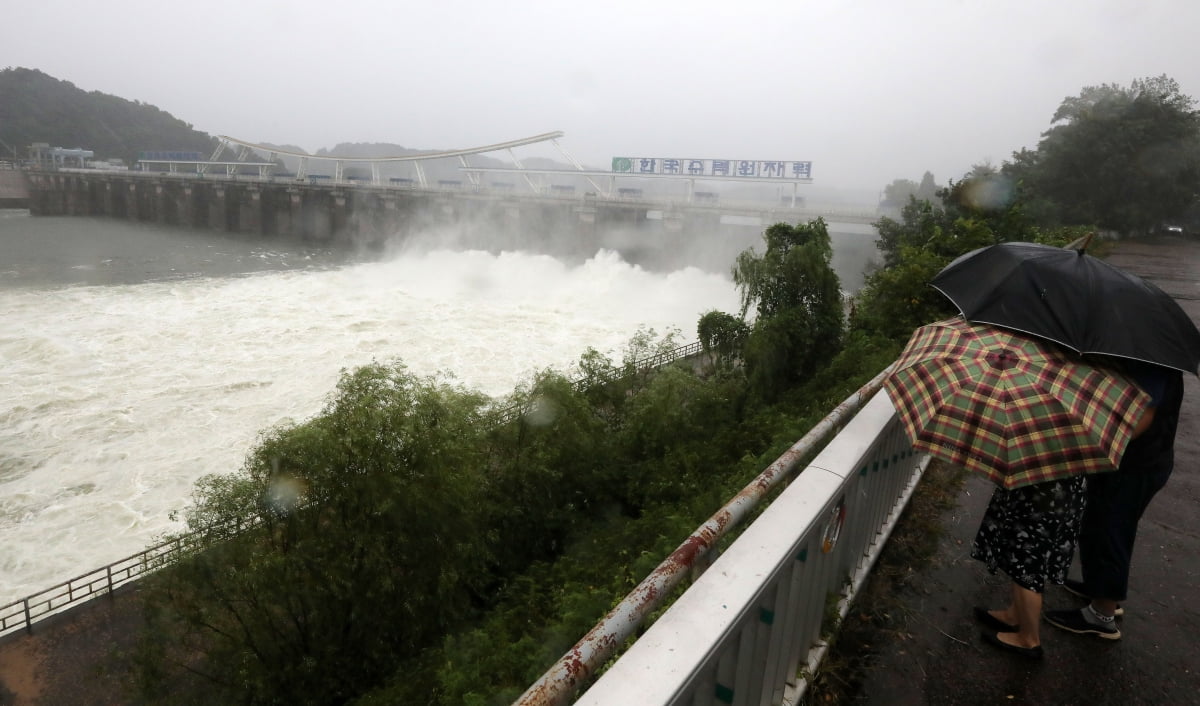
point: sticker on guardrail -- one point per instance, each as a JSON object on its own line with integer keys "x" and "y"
{"x": 833, "y": 528}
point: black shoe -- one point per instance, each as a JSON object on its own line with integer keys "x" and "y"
{"x": 1074, "y": 621}
{"x": 992, "y": 622}
{"x": 1027, "y": 652}
{"x": 1080, "y": 590}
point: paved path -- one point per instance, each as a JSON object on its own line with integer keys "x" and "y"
{"x": 75, "y": 658}
{"x": 941, "y": 661}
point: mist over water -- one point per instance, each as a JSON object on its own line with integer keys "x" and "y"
{"x": 137, "y": 360}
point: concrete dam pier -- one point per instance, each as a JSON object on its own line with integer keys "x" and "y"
{"x": 367, "y": 216}
{"x": 14, "y": 192}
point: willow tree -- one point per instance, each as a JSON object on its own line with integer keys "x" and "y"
{"x": 797, "y": 302}
{"x": 365, "y": 549}
{"x": 722, "y": 336}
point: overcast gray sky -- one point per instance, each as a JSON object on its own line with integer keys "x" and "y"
{"x": 868, "y": 90}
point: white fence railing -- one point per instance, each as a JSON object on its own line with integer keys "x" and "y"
{"x": 751, "y": 630}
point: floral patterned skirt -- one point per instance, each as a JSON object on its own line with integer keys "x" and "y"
{"x": 1029, "y": 533}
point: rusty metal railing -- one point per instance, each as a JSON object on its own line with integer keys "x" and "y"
{"x": 755, "y": 627}
{"x": 559, "y": 684}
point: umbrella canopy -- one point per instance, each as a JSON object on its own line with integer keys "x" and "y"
{"x": 1017, "y": 409}
{"x": 1074, "y": 299}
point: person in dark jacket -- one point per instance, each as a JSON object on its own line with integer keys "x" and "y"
{"x": 1115, "y": 503}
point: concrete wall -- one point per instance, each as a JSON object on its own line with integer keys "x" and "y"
{"x": 364, "y": 217}
{"x": 321, "y": 214}
{"x": 14, "y": 192}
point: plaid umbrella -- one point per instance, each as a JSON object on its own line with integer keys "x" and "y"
{"x": 1017, "y": 409}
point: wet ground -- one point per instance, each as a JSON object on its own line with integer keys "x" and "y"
{"x": 76, "y": 658}
{"x": 938, "y": 658}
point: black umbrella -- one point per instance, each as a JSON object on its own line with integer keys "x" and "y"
{"x": 1073, "y": 299}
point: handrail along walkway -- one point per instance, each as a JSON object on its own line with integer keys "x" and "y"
{"x": 753, "y": 628}
{"x": 24, "y": 613}
{"x": 873, "y": 499}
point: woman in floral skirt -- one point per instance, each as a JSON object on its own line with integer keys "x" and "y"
{"x": 1028, "y": 533}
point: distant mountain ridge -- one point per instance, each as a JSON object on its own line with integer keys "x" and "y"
{"x": 35, "y": 107}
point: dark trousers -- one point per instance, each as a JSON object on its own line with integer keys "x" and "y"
{"x": 1115, "y": 503}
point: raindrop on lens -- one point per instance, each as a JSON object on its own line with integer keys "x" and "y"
{"x": 542, "y": 412}
{"x": 990, "y": 193}
{"x": 284, "y": 493}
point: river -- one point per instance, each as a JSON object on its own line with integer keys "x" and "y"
{"x": 138, "y": 359}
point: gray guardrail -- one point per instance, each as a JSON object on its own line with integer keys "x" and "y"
{"x": 22, "y": 614}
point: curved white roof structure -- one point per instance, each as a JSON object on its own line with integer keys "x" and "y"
{"x": 407, "y": 158}
{"x": 414, "y": 159}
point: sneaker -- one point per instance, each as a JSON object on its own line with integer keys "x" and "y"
{"x": 1075, "y": 621}
{"x": 1077, "y": 588}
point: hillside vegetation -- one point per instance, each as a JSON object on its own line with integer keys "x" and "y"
{"x": 35, "y": 107}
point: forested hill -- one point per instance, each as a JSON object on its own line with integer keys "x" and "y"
{"x": 35, "y": 107}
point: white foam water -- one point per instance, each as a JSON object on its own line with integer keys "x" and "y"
{"x": 115, "y": 399}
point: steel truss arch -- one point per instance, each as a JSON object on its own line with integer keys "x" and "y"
{"x": 244, "y": 148}
{"x": 544, "y": 137}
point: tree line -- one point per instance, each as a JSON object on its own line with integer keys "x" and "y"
{"x": 411, "y": 551}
